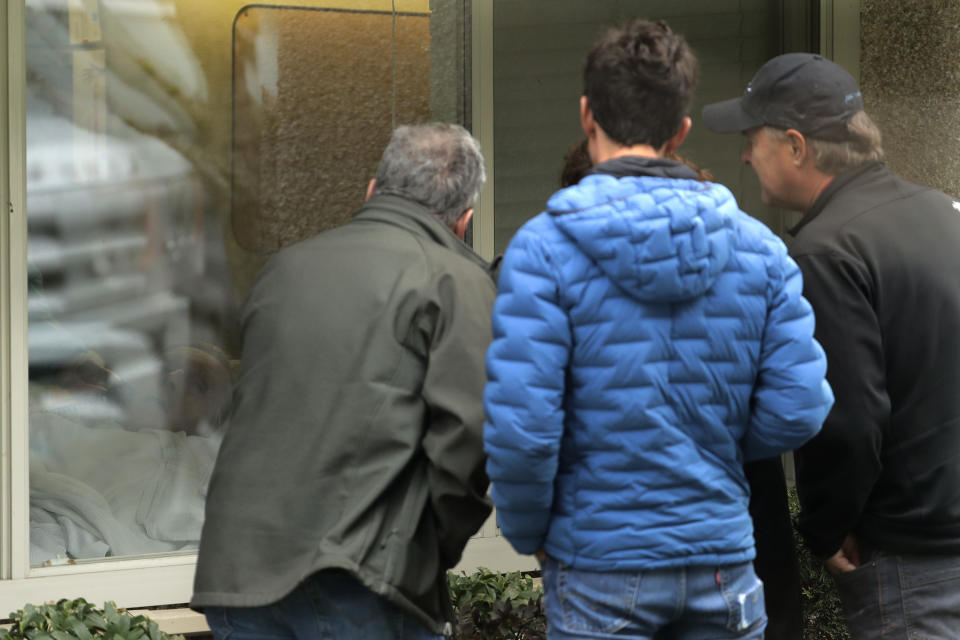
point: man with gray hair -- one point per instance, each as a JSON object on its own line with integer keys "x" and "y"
{"x": 880, "y": 486}
{"x": 351, "y": 475}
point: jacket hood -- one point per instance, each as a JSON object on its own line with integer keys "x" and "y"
{"x": 661, "y": 239}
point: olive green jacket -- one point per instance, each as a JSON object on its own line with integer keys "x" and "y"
{"x": 355, "y": 440}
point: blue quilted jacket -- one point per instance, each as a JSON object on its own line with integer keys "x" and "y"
{"x": 649, "y": 338}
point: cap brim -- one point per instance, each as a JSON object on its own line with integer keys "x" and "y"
{"x": 728, "y": 117}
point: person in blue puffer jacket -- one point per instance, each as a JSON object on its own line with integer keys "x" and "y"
{"x": 649, "y": 338}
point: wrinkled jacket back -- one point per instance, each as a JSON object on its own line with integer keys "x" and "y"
{"x": 355, "y": 438}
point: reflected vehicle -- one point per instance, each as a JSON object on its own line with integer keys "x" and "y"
{"x": 127, "y": 299}
{"x": 111, "y": 234}
{"x": 107, "y": 243}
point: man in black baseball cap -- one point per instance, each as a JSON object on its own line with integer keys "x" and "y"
{"x": 880, "y": 485}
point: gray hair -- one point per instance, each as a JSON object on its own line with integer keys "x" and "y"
{"x": 863, "y": 144}
{"x": 438, "y": 165}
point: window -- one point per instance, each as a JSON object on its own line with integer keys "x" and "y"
{"x": 169, "y": 147}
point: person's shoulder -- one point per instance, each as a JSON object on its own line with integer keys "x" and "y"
{"x": 539, "y": 224}
{"x": 716, "y": 191}
{"x": 874, "y": 190}
{"x": 751, "y": 234}
{"x": 313, "y": 245}
{"x": 820, "y": 236}
{"x": 872, "y": 208}
{"x": 537, "y": 233}
{"x": 757, "y": 245}
{"x": 461, "y": 263}
{"x": 923, "y": 197}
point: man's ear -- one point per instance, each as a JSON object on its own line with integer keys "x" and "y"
{"x": 370, "y": 187}
{"x": 460, "y": 226}
{"x": 587, "y": 122}
{"x": 590, "y": 128}
{"x": 798, "y": 147}
{"x": 671, "y": 145}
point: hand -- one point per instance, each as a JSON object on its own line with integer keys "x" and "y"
{"x": 846, "y": 559}
{"x": 541, "y": 556}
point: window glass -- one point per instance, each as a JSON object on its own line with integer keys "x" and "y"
{"x": 172, "y": 146}
{"x": 539, "y": 50}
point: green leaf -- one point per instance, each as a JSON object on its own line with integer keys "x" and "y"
{"x": 95, "y": 620}
{"x": 80, "y": 631}
{"x": 119, "y": 625}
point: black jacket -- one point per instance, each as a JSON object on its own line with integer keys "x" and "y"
{"x": 880, "y": 258}
{"x": 355, "y": 441}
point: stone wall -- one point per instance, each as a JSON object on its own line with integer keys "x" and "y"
{"x": 910, "y": 76}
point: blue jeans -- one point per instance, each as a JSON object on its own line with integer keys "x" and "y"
{"x": 329, "y": 605}
{"x": 688, "y": 603}
{"x": 902, "y": 597}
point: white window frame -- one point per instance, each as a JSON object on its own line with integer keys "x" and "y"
{"x": 5, "y": 262}
{"x": 14, "y": 233}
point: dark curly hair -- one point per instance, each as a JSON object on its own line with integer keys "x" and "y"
{"x": 639, "y": 80}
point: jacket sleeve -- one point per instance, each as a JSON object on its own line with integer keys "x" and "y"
{"x": 526, "y": 367}
{"x": 837, "y": 470}
{"x": 453, "y": 391}
{"x": 791, "y": 397}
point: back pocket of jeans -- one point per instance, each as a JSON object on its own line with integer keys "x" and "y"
{"x": 596, "y": 601}
{"x": 750, "y": 608}
{"x": 743, "y": 592}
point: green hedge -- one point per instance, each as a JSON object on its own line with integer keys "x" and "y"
{"x": 80, "y": 620}
{"x": 497, "y": 606}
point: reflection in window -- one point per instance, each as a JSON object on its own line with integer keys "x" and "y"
{"x": 133, "y": 143}
{"x": 129, "y": 308}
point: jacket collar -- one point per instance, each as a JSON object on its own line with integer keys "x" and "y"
{"x": 840, "y": 181}
{"x": 415, "y": 218}
{"x": 643, "y": 166}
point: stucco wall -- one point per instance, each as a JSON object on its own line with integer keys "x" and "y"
{"x": 910, "y": 76}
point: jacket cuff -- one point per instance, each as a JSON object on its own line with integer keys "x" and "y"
{"x": 525, "y": 546}
{"x": 822, "y": 546}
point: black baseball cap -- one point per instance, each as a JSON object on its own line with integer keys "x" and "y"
{"x": 801, "y": 91}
